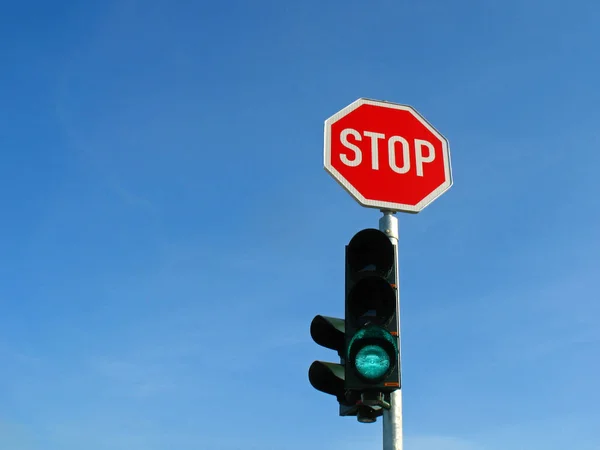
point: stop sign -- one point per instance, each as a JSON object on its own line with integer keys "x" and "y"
{"x": 387, "y": 155}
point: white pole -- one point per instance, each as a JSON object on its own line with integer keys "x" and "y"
{"x": 392, "y": 418}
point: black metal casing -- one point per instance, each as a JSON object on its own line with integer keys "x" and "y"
{"x": 371, "y": 300}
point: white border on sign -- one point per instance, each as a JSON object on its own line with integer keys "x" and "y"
{"x": 380, "y": 204}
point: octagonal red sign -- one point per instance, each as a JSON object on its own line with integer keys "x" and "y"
{"x": 387, "y": 155}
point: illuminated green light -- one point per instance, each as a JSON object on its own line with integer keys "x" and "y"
{"x": 372, "y": 362}
{"x": 373, "y": 352}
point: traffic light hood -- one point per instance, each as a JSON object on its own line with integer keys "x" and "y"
{"x": 328, "y": 332}
{"x": 372, "y": 300}
{"x": 371, "y": 249}
{"x": 329, "y": 378}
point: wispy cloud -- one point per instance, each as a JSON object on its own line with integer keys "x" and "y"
{"x": 412, "y": 443}
{"x": 441, "y": 443}
{"x": 16, "y": 437}
{"x": 137, "y": 379}
{"x": 9, "y": 352}
{"x": 96, "y": 157}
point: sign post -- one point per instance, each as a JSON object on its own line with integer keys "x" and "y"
{"x": 392, "y": 418}
{"x": 387, "y": 156}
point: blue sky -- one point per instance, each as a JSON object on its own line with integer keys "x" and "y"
{"x": 168, "y": 231}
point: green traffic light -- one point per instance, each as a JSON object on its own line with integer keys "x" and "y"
{"x": 372, "y": 362}
{"x": 373, "y": 352}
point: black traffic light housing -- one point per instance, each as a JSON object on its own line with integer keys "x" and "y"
{"x": 372, "y": 363}
{"x": 367, "y": 339}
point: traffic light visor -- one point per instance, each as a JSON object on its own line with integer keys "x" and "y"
{"x": 372, "y": 250}
{"x": 328, "y": 332}
{"x": 372, "y": 300}
{"x": 327, "y": 377}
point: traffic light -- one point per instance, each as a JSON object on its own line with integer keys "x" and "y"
{"x": 372, "y": 365}
{"x": 367, "y": 339}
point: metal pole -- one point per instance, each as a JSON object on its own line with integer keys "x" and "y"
{"x": 392, "y": 418}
